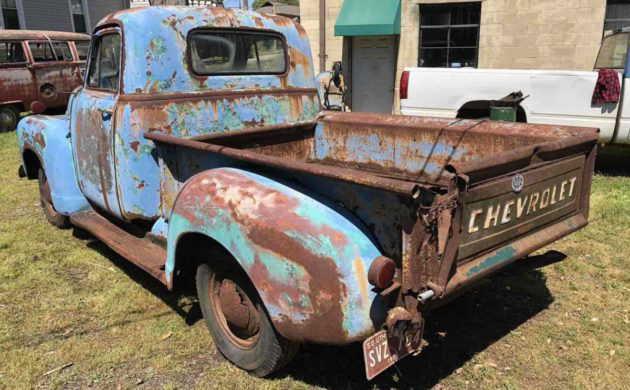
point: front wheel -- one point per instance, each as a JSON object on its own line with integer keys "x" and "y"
{"x": 45, "y": 199}
{"x": 9, "y": 117}
{"x": 238, "y": 322}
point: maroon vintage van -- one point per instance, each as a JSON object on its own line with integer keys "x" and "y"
{"x": 38, "y": 70}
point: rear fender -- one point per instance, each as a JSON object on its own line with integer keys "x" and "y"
{"x": 307, "y": 258}
{"x": 48, "y": 137}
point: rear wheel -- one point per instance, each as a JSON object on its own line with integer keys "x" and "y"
{"x": 9, "y": 117}
{"x": 238, "y": 322}
{"x": 45, "y": 199}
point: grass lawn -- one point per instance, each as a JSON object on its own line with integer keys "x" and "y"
{"x": 67, "y": 301}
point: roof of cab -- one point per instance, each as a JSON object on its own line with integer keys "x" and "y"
{"x": 155, "y": 46}
{"x": 41, "y": 34}
{"x": 208, "y": 15}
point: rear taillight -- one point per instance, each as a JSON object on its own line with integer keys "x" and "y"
{"x": 381, "y": 272}
{"x": 404, "y": 84}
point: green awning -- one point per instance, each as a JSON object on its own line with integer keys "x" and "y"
{"x": 368, "y": 17}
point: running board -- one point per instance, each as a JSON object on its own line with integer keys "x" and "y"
{"x": 140, "y": 251}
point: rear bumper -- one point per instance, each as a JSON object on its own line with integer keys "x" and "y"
{"x": 481, "y": 266}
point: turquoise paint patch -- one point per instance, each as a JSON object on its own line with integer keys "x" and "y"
{"x": 501, "y": 256}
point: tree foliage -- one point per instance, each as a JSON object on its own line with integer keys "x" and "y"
{"x": 259, "y": 3}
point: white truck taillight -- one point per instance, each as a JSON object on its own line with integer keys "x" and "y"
{"x": 404, "y": 84}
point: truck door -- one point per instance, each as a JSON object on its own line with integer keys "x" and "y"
{"x": 93, "y": 113}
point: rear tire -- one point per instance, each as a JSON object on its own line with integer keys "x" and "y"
{"x": 9, "y": 117}
{"x": 45, "y": 199}
{"x": 238, "y": 322}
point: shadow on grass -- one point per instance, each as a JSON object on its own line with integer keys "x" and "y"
{"x": 613, "y": 160}
{"x": 455, "y": 332}
{"x": 190, "y": 311}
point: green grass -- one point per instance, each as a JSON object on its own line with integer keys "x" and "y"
{"x": 67, "y": 300}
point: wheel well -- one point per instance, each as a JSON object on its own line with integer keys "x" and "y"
{"x": 481, "y": 109}
{"x": 193, "y": 249}
{"x": 32, "y": 164}
{"x": 17, "y": 106}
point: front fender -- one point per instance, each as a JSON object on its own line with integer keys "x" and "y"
{"x": 306, "y": 256}
{"x": 49, "y": 138}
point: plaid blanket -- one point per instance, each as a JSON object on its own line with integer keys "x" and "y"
{"x": 607, "y": 89}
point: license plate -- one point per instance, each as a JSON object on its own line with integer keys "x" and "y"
{"x": 381, "y": 351}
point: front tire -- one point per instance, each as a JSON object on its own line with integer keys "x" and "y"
{"x": 9, "y": 117}
{"x": 45, "y": 199}
{"x": 238, "y": 322}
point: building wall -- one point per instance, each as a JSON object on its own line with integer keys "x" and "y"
{"x": 98, "y": 9}
{"x": 51, "y": 15}
{"x": 55, "y": 15}
{"x": 514, "y": 34}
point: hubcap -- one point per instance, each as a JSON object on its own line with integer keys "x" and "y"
{"x": 7, "y": 119}
{"x": 238, "y": 316}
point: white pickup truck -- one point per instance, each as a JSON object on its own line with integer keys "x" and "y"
{"x": 558, "y": 97}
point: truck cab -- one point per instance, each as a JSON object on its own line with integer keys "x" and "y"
{"x": 196, "y": 147}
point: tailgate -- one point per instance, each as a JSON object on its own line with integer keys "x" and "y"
{"x": 502, "y": 210}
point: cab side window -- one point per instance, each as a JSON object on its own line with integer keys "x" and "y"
{"x": 11, "y": 53}
{"x": 104, "y": 70}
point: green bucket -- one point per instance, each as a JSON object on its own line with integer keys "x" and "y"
{"x": 505, "y": 114}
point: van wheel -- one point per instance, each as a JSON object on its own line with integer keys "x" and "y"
{"x": 238, "y": 322}
{"x": 9, "y": 117}
{"x": 45, "y": 199}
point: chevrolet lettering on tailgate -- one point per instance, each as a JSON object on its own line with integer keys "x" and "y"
{"x": 505, "y": 210}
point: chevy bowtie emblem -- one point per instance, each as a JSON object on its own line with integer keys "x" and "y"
{"x": 518, "y": 182}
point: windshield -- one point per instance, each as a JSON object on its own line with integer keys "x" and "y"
{"x": 613, "y": 52}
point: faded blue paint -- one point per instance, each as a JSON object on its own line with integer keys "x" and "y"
{"x": 49, "y": 138}
{"x": 155, "y": 38}
{"x": 326, "y": 222}
{"x": 499, "y": 257}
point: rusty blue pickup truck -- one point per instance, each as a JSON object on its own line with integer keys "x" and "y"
{"x": 197, "y": 150}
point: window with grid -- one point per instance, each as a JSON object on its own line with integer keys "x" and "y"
{"x": 449, "y": 35}
{"x": 78, "y": 16}
{"x": 10, "y": 14}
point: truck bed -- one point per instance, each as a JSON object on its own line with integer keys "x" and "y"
{"x": 427, "y": 188}
{"x": 403, "y": 148}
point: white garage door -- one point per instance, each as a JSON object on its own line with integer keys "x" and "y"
{"x": 373, "y": 73}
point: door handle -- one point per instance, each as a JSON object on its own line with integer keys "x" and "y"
{"x": 105, "y": 114}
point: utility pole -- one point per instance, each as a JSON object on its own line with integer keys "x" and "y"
{"x": 322, "y": 35}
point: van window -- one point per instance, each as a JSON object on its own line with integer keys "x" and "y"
{"x": 41, "y": 51}
{"x": 11, "y": 53}
{"x": 83, "y": 47}
{"x": 236, "y": 52}
{"x": 62, "y": 49}
{"x": 105, "y": 63}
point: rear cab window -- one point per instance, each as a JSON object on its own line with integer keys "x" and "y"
{"x": 12, "y": 53}
{"x": 104, "y": 72}
{"x": 221, "y": 52}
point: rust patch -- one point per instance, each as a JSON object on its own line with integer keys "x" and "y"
{"x": 39, "y": 138}
{"x": 134, "y": 145}
{"x": 325, "y": 285}
{"x": 299, "y": 58}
